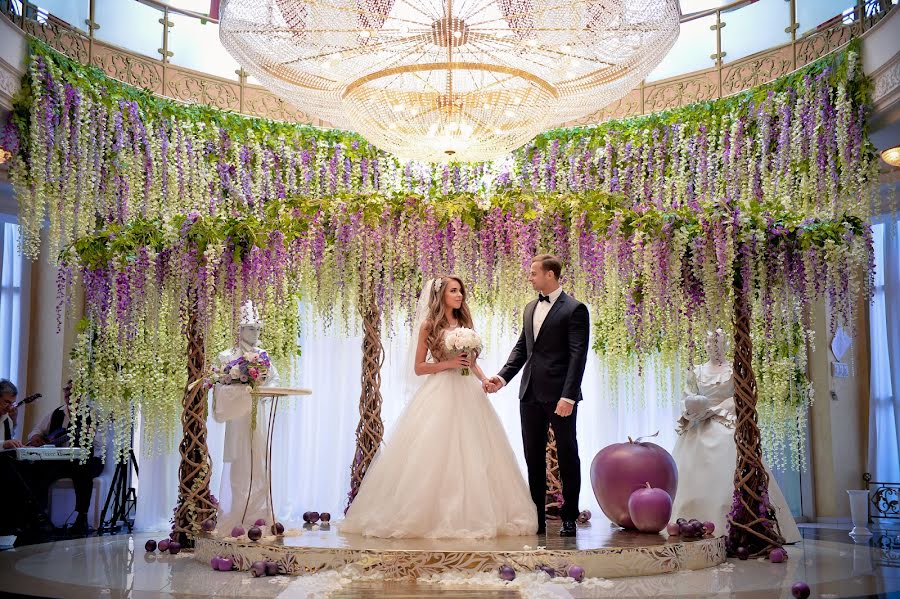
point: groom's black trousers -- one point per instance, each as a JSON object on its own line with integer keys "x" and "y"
{"x": 536, "y": 418}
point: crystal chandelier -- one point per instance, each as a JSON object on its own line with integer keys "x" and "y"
{"x": 465, "y": 79}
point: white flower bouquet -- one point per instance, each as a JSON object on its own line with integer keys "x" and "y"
{"x": 463, "y": 341}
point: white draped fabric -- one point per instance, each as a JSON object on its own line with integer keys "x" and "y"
{"x": 10, "y": 299}
{"x": 314, "y": 438}
{"x": 884, "y": 351}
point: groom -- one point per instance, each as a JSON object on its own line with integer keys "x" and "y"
{"x": 553, "y": 349}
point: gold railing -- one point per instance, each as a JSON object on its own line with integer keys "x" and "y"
{"x": 161, "y": 76}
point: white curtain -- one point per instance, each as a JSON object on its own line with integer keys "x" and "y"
{"x": 314, "y": 438}
{"x": 10, "y": 299}
{"x": 884, "y": 351}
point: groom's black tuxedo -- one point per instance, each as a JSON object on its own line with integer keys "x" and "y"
{"x": 554, "y": 362}
{"x": 553, "y": 368}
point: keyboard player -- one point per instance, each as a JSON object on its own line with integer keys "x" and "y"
{"x": 54, "y": 430}
{"x": 18, "y": 503}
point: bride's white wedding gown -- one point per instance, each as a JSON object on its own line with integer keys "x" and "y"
{"x": 447, "y": 471}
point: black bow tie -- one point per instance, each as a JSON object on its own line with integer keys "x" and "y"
{"x": 543, "y": 298}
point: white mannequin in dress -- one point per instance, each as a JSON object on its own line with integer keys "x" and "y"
{"x": 705, "y": 452}
{"x": 245, "y": 449}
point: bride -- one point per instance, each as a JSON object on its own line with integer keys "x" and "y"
{"x": 448, "y": 469}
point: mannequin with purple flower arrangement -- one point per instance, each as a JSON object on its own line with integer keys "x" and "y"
{"x": 244, "y": 491}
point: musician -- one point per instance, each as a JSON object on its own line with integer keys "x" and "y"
{"x": 8, "y": 414}
{"x": 18, "y": 505}
{"x": 54, "y": 430}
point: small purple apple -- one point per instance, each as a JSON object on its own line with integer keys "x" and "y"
{"x": 576, "y": 572}
{"x": 800, "y": 590}
{"x": 260, "y": 522}
{"x": 777, "y": 555}
{"x": 278, "y": 528}
{"x": 208, "y": 525}
{"x": 650, "y": 509}
{"x": 673, "y": 529}
{"x": 306, "y": 516}
{"x": 709, "y": 527}
{"x": 174, "y": 547}
{"x": 214, "y": 562}
{"x": 548, "y": 570}
{"x": 325, "y": 517}
{"x": 163, "y": 545}
{"x": 507, "y": 573}
{"x": 258, "y": 569}
{"x": 150, "y": 546}
{"x": 314, "y": 517}
{"x": 225, "y": 564}
{"x": 271, "y": 569}
{"x": 237, "y": 531}
{"x": 742, "y": 553}
{"x": 254, "y": 534}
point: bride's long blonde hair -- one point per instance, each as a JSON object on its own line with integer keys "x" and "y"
{"x": 438, "y": 315}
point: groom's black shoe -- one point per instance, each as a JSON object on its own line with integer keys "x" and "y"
{"x": 568, "y": 528}
{"x": 542, "y": 529}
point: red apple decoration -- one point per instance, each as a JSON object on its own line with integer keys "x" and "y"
{"x": 163, "y": 545}
{"x": 620, "y": 469}
{"x": 650, "y": 509}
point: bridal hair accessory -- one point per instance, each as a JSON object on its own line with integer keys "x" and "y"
{"x": 250, "y": 315}
{"x": 438, "y": 283}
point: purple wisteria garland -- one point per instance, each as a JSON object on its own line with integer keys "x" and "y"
{"x": 147, "y": 199}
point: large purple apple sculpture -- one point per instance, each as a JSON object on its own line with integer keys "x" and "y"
{"x": 620, "y": 469}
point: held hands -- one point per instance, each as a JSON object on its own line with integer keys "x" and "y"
{"x": 492, "y": 385}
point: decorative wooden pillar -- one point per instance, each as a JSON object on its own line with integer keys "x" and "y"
{"x": 752, "y": 522}
{"x": 194, "y": 503}
{"x": 553, "y": 502}
{"x": 370, "y": 430}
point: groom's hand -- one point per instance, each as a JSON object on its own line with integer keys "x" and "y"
{"x": 492, "y": 385}
{"x": 564, "y": 408}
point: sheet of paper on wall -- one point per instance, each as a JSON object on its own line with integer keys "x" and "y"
{"x": 840, "y": 344}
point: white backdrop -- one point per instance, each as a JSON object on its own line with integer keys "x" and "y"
{"x": 315, "y": 438}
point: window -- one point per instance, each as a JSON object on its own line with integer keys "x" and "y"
{"x": 10, "y": 298}
{"x": 884, "y": 350}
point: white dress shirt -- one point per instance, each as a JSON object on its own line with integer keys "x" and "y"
{"x": 541, "y": 311}
{"x": 540, "y": 315}
{"x": 43, "y": 427}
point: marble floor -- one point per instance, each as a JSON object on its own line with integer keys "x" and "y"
{"x": 828, "y": 560}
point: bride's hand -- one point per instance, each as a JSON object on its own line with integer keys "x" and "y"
{"x": 460, "y": 361}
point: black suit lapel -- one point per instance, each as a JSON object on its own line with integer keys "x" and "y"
{"x": 529, "y": 321}
{"x": 554, "y": 310}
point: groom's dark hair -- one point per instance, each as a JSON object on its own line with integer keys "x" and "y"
{"x": 549, "y": 262}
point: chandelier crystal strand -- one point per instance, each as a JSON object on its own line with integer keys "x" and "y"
{"x": 469, "y": 80}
